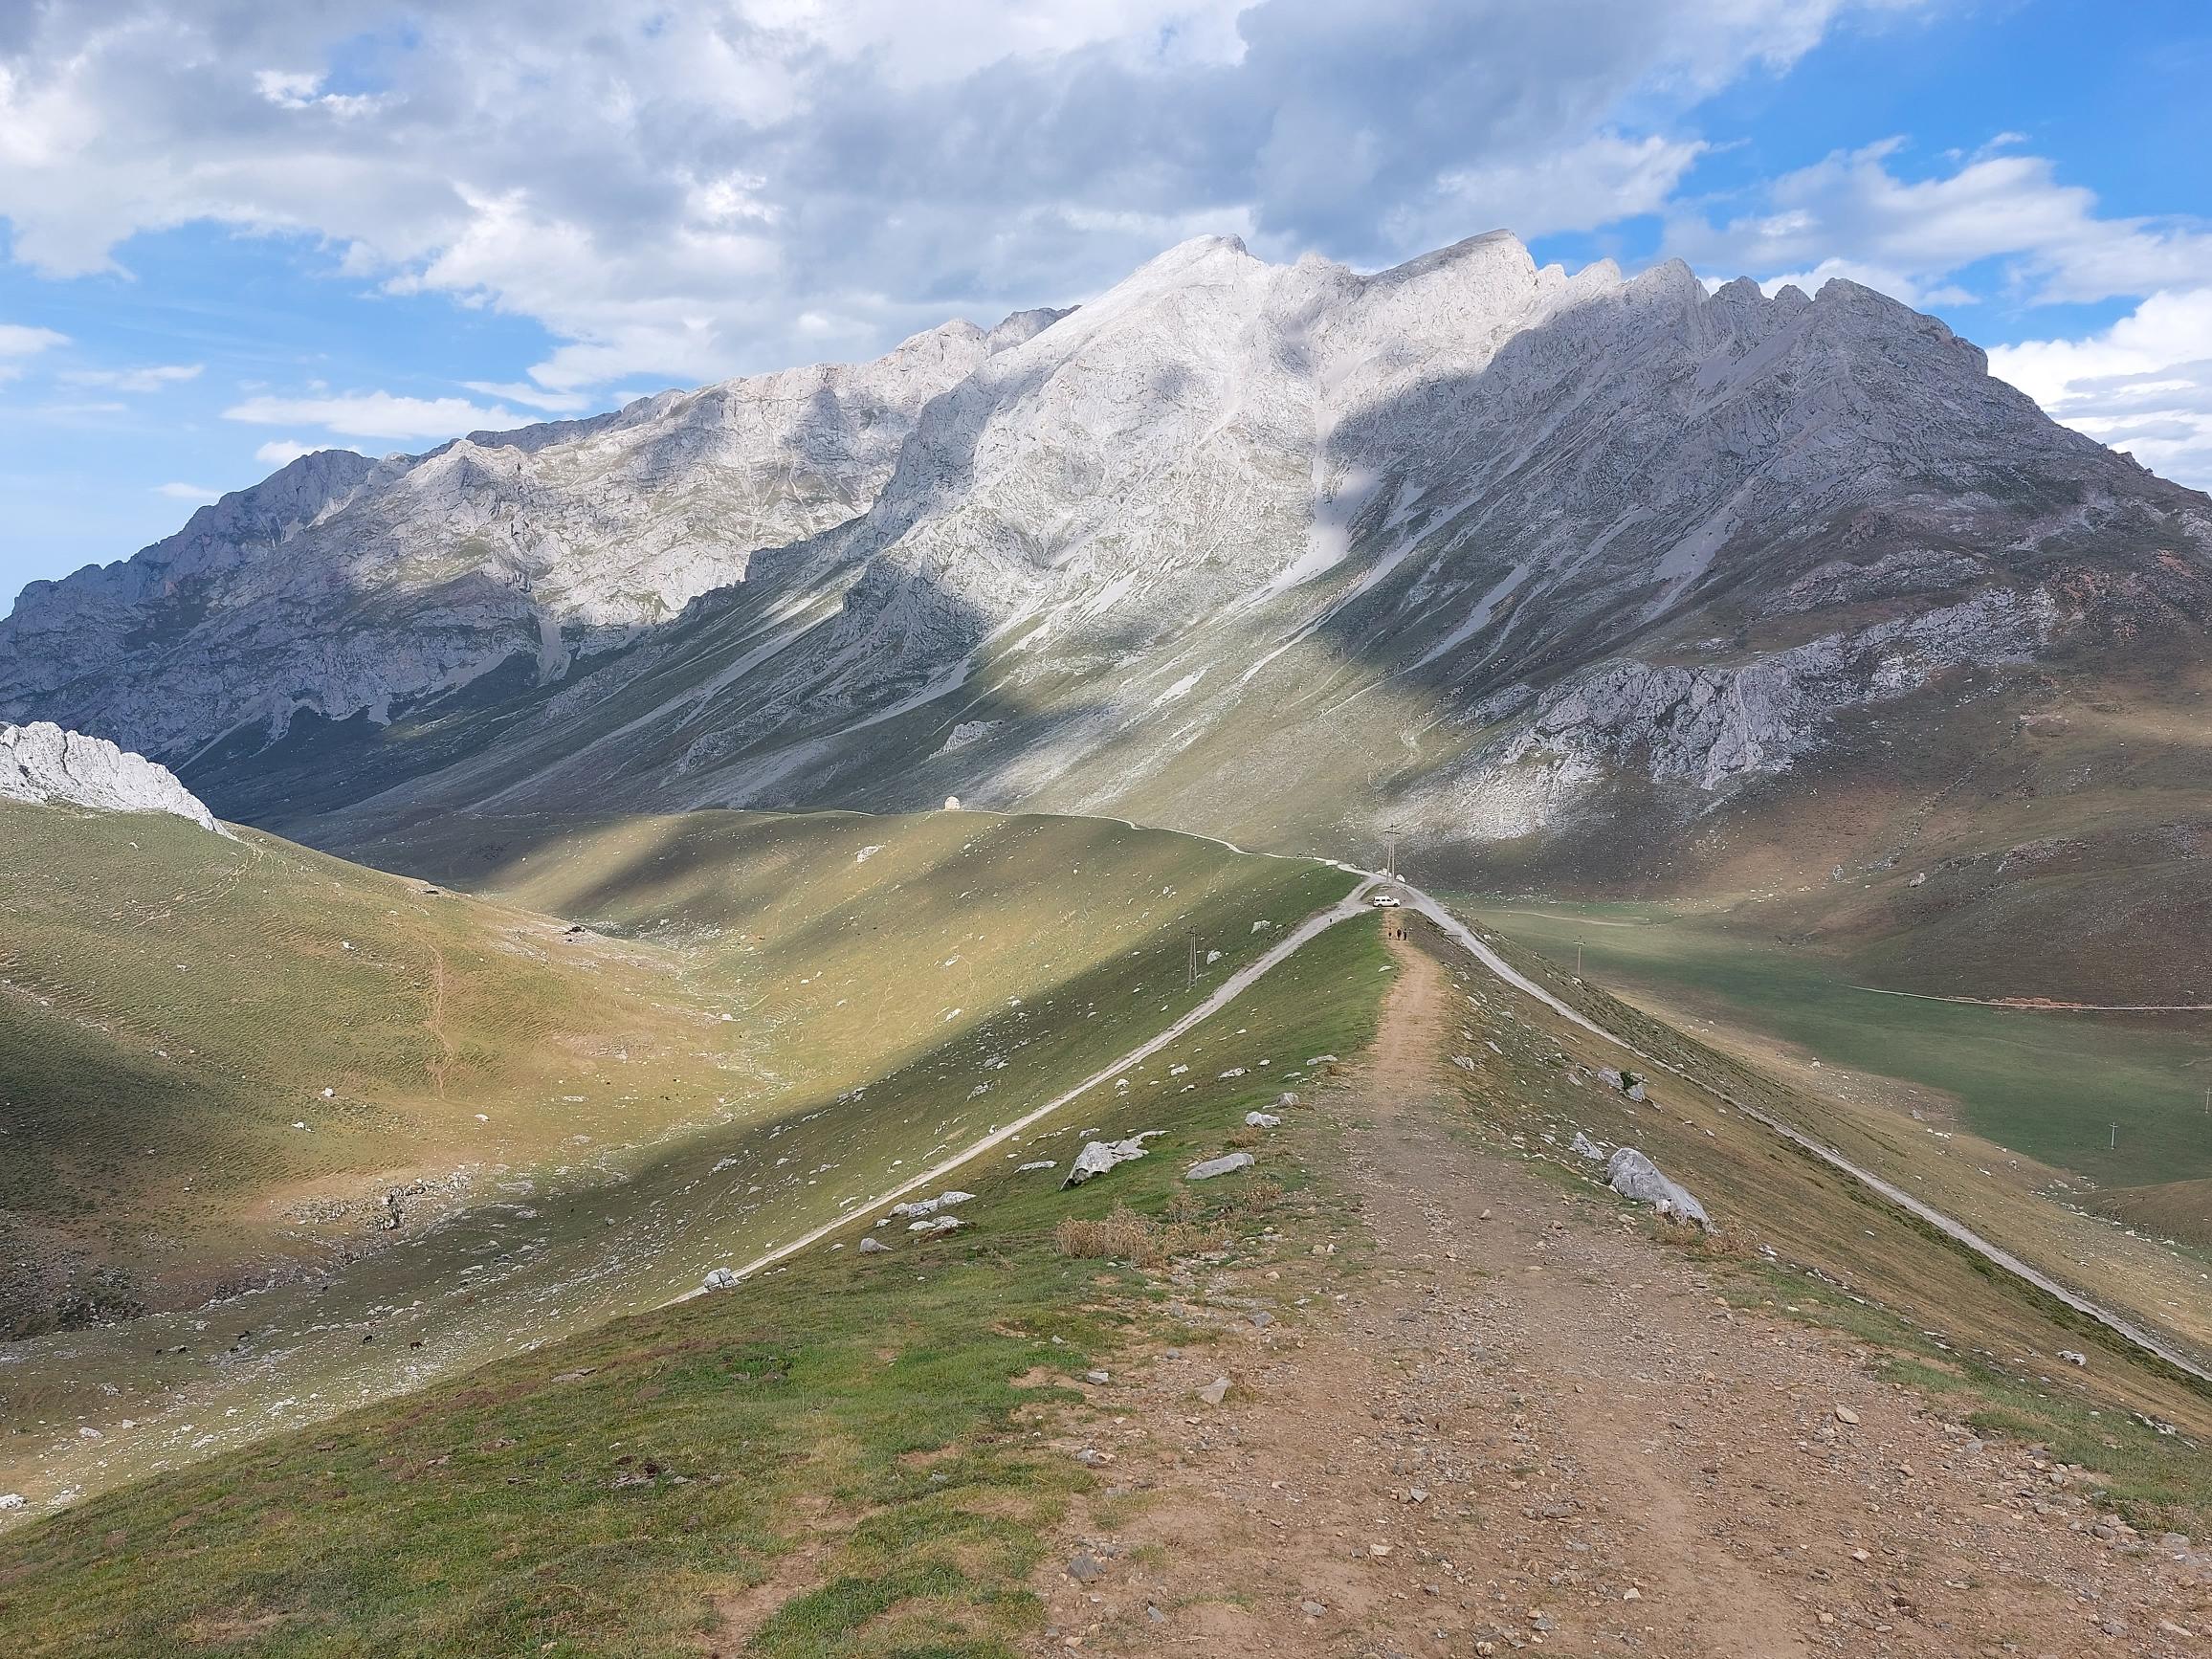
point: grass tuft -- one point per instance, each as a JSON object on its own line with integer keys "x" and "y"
{"x": 1121, "y": 1235}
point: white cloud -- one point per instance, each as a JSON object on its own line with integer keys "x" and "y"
{"x": 285, "y": 88}
{"x": 199, "y": 494}
{"x": 1852, "y": 214}
{"x": 1606, "y": 178}
{"x": 20, "y": 343}
{"x": 152, "y": 378}
{"x": 666, "y": 188}
{"x": 532, "y": 395}
{"x": 378, "y": 415}
{"x": 20, "y": 339}
{"x": 288, "y": 89}
{"x": 2144, "y": 385}
{"x": 283, "y": 452}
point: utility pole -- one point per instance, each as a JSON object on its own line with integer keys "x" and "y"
{"x": 1193, "y": 980}
{"x": 1390, "y": 855}
{"x": 1578, "y": 959}
{"x": 2112, "y": 1145}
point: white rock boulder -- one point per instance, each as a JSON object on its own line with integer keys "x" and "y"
{"x": 1097, "y": 1156}
{"x": 1228, "y": 1163}
{"x": 1634, "y": 1176}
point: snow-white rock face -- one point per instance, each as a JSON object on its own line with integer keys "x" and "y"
{"x": 41, "y": 762}
{"x": 1275, "y": 552}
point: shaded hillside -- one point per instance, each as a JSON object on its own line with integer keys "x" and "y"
{"x": 217, "y": 1057}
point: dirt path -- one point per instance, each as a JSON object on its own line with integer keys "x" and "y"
{"x": 1522, "y": 1426}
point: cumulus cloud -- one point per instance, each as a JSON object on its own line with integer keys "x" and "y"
{"x": 1606, "y": 177}
{"x": 1853, "y": 214}
{"x": 667, "y": 188}
{"x": 532, "y": 395}
{"x": 378, "y": 415}
{"x": 198, "y": 494}
{"x": 2144, "y": 385}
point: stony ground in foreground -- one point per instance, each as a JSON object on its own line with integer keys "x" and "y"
{"x": 1522, "y": 1425}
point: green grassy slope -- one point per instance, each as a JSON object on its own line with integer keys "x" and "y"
{"x": 881, "y": 1011}
{"x": 214, "y": 1054}
{"x": 874, "y": 936}
{"x": 857, "y": 1432}
{"x": 2050, "y": 1085}
{"x": 862, "y": 1456}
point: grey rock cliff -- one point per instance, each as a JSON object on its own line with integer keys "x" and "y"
{"x": 340, "y": 585}
{"x": 41, "y": 762}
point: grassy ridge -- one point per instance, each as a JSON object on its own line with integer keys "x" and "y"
{"x": 855, "y": 1432}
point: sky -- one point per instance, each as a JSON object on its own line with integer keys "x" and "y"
{"x": 232, "y": 231}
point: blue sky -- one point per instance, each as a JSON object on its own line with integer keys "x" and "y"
{"x": 234, "y": 230}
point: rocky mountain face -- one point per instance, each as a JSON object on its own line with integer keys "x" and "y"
{"x": 41, "y": 762}
{"x": 1286, "y": 553}
{"x": 341, "y": 586}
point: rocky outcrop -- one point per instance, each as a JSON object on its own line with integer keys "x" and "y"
{"x": 1636, "y": 1178}
{"x": 42, "y": 762}
{"x": 1707, "y": 726}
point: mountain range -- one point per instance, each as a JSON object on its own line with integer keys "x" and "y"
{"x": 1548, "y": 573}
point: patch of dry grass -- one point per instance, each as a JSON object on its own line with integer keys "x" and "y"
{"x": 1121, "y": 1235}
{"x": 1261, "y": 1193}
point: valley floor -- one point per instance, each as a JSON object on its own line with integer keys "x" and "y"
{"x": 1527, "y": 1425}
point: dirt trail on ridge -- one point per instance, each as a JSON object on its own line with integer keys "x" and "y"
{"x": 1540, "y": 1432}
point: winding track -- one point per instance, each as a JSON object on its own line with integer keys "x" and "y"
{"x": 1355, "y": 904}
{"x": 1352, "y": 904}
